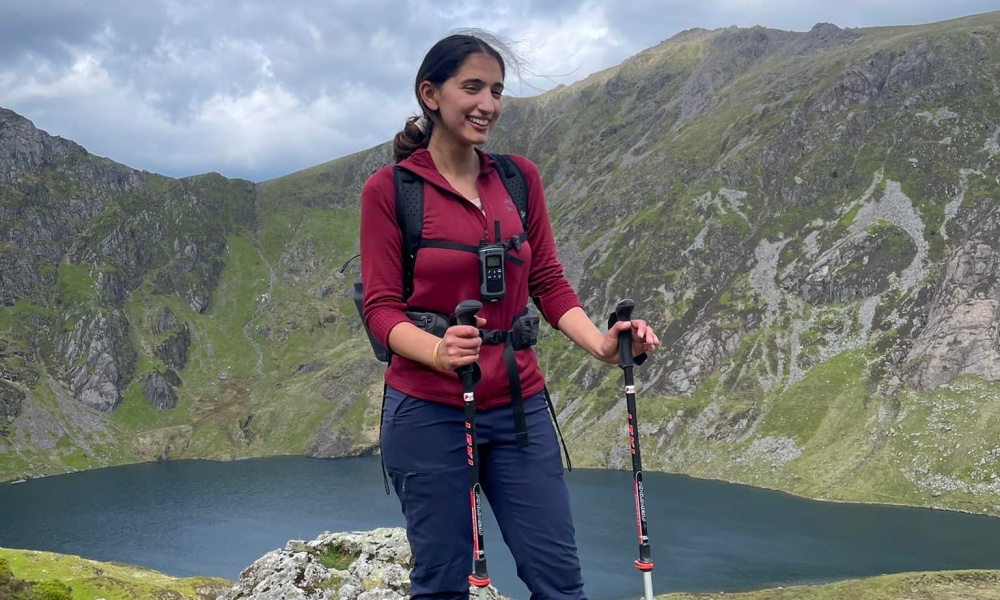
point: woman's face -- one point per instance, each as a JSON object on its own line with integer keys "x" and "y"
{"x": 469, "y": 103}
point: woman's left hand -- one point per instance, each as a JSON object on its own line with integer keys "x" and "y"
{"x": 643, "y": 340}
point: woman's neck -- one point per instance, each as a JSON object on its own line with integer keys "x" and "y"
{"x": 453, "y": 160}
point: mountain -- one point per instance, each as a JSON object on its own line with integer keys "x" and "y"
{"x": 808, "y": 218}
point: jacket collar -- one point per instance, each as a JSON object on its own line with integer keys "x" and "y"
{"x": 421, "y": 164}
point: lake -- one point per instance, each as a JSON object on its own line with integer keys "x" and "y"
{"x": 189, "y": 518}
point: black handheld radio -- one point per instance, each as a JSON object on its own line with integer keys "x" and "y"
{"x": 491, "y": 281}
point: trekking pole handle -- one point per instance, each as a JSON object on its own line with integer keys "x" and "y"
{"x": 465, "y": 312}
{"x": 623, "y": 312}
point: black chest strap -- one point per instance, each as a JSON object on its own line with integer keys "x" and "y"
{"x": 514, "y": 242}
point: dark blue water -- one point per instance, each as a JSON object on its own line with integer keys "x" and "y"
{"x": 204, "y": 518}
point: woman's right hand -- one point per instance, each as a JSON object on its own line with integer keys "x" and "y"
{"x": 459, "y": 346}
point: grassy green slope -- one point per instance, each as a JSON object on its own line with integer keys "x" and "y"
{"x": 944, "y": 585}
{"x": 88, "y": 579}
{"x": 246, "y": 390}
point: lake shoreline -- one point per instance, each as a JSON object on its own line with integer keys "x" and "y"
{"x": 864, "y": 502}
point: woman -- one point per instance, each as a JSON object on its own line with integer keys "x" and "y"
{"x": 459, "y": 87}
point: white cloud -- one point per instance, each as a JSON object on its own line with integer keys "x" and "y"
{"x": 83, "y": 78}
{"x": 249, "y": 130}
{"x": 258, "y": 89}
{"x": 568, "y": 49}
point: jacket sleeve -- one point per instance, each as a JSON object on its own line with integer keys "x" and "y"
{"x": 547, "y": 284}
{"x": 381, "y": 256}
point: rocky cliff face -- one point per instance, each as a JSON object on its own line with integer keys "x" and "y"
{"x": 79, "y": 235}
{"x": 962, "y": 331}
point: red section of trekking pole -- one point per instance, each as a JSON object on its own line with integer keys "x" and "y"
{"x": 623, "y": 312}
{"x": 465, "y": 314}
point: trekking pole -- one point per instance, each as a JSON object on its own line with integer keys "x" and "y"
{"x": 623, "y": 312}
{"x": 465, "y": 314}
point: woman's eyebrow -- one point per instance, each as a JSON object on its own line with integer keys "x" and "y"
{"x": 477, "y": 81}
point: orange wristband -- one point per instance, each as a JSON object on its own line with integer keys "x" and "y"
{"x": 434, "y": 356}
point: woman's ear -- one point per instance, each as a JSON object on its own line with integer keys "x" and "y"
{"x": 428, "y": 95}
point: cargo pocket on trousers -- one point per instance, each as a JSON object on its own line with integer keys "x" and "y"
{"x": 434, "y": 499}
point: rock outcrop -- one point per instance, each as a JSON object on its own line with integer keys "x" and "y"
{"x": 174, "y": 349}
{"x": 858, "y": 268}
{"x": 11, "y": 400}
{"x": 158, "y": 389}
{"x": 357, "y": 565}
{"x": 962, "y": 335}
{"x": 101, "y": 359}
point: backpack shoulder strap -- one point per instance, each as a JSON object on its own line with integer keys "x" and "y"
{"x": 410, "y": 211}
{"x": 513, "y": 181}
{"x": 410, "y": 216}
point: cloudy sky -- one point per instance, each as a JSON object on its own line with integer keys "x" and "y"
{"x": 262, "y": 88}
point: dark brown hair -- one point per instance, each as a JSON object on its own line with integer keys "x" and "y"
{"x": 442, "y": 61}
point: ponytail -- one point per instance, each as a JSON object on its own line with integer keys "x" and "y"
{"x": 416, "y": 134}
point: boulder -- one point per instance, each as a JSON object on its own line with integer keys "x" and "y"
{"x": 355, "y": 565}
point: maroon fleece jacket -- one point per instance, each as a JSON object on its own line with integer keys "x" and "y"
{"x": 445, "y": 277}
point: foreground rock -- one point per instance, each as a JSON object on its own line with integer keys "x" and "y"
{"x": 357, "y": 565}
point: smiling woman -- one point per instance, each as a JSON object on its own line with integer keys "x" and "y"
{"x": 471, "y": 229}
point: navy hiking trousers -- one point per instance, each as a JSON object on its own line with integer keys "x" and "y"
{"x": 423, "y": 449}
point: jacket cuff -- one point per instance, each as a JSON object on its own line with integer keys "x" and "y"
{"x": 555, "y": 308}
{"x": 382, "y": 323}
